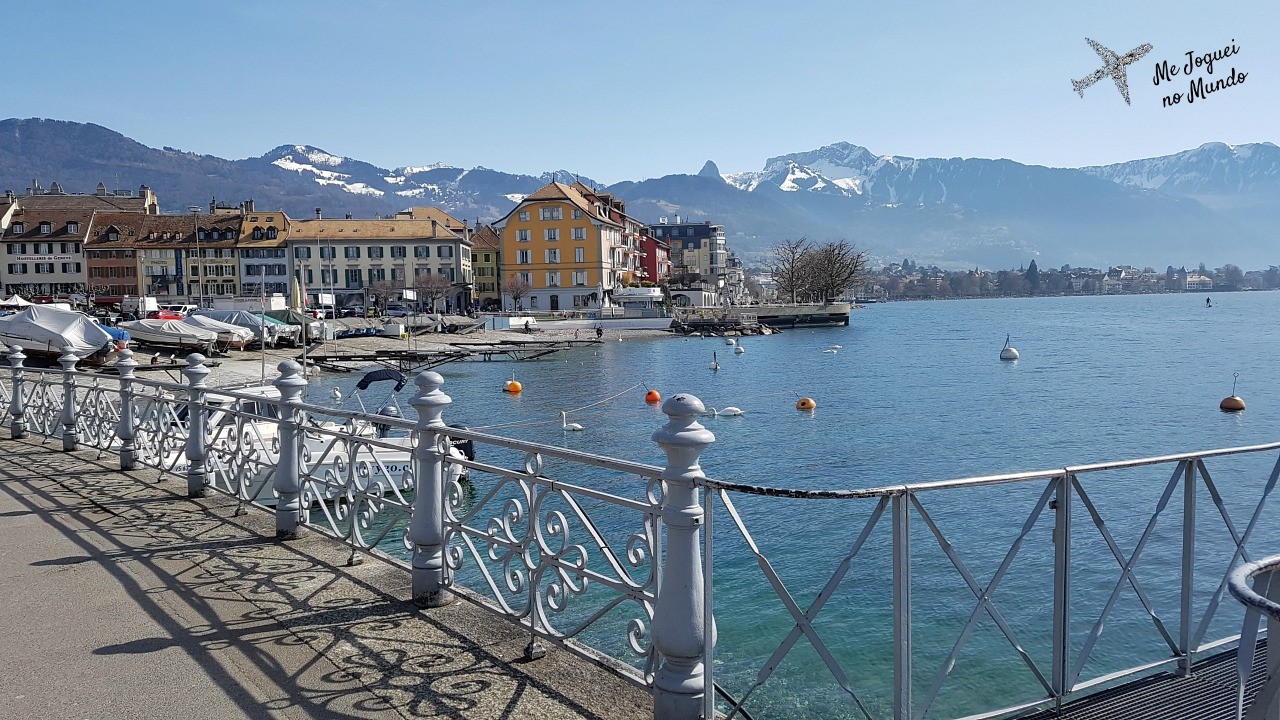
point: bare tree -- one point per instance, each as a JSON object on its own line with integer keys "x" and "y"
{"x": 431, "y": 289}
{"x": 516, "y": 288}
{"x": 788, "y": 269}
{"x": 831, "y": 269}
{"x": 384, "y": 290}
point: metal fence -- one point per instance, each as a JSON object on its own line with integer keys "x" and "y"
{"x": 620, "y": 562}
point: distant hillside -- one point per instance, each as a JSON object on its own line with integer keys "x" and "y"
{"x": 1215, "y": 204}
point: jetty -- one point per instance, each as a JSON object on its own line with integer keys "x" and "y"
{"x": 408, "y": 359}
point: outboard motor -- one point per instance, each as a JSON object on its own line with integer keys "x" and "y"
{"x": 386, "y": 411}
{"x": 466, "y": 447}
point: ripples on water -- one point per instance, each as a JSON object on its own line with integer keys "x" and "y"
{"x": 917, "y": 393}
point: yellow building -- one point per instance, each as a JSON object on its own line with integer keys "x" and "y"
{"x": 566, "y": 246}
{"x": 486, "y": 263}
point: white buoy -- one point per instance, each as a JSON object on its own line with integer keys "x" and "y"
{"x": 1008, "y": 353}
{"x": 715, "y": 362}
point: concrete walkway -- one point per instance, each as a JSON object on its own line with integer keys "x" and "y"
{"x": 120, "y": 598}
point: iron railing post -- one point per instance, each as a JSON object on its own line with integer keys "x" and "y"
{"x": 900, "y": 507}
{"x": 124, "y": 429}
{"x": 68, "y": 362}
{"x": 196, "y": 372}
{"x": 679, "y": 613}
{"x": 1061, "y": 505}
{"x": 288, "y": 473}
{"x": 1188, "y": 565}
{"x": 426, "y": 523}
{"x": 18, "y": 426}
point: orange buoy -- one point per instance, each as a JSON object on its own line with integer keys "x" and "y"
{"x": 1235, "y": 403}
{"x": 653, "y": 396}
{"x": 514, "y": 387}
{"x": 806, "y": 404}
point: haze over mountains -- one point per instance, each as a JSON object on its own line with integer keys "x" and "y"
{"x": 1214, "y": 204}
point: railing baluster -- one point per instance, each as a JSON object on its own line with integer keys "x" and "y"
{"x": 1188, "y": 566}
{"x": 679, "y": 615}
{"x": 900, "y": 509}
{"x": 18, "y": 426}
{"x": 196, "y": 372}
{"x": 1062, "y": 587}
{"x": 426, "y": 523}
{"x": 124, "y": 428}
{"x": 287, "y": 483}
{"x": 68, "y": 362}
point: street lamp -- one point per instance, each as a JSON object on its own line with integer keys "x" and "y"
{"x": 195, "y": 233}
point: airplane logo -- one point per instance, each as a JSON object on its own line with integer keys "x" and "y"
{"x": 1113, "y": 65}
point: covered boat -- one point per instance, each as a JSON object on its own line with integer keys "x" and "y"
{"x": 172, "y": 334}
{"x": 264, "y": 330}
{"x": 312, "y": 329}
{"x": 47, "y": 330}
{"x": 231, "y": 336}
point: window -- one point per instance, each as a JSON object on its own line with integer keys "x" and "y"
{"x": 70, "y": 267}
{"x": 257, "y": 233}
{"x": 377, "y": 274}
{"x": 18, "y": 228}
{"x": 354, "y": 277}
{"x": 522, "y": 257}
{"x": 486, "y": 257}
{"x": 577, "y": 214}
{"x": 397, "y": 274}
{"x": 579, "y": 255}
{"x": 46, "y": 228}
{"x": 398, "y": 251}
{"x": 553, "y": 279}
{"x": 375, "y": 252}
{"x": 351, "y": 252}
{"x": 326, "y": 253}
{"x": 579, "y": 233}
{"x": 444, "y": 251}
{"x": 553, "y": 256}
{"x": 551, "y": 213}
{"x": 18, "y": 268}
{"x": 522, "y": 216}
{"x": 533, "y": 302}
{"x": 271, "y": 233}
{"x": 551, "y": 234}
{"x": 302, "y": 252}
{"x": 522, "y": 236}
{"x": 421, "y": 251}
{"x": 523, "y": 277}
{"x": 73, "y": 227}
{"x": 446, "y": 272}
{"x": 580, "y": 277}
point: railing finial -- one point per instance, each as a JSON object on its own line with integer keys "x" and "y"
{"x": 426, "y": 525}
{"x": 288, "y": 476}
{"x": 18, "y": 426}
{"x": 196, "y": 372}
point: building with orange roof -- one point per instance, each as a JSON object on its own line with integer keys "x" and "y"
{"x": 264, "y": 260}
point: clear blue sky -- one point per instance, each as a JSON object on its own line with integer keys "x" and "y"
{"x": 631, "y": 90}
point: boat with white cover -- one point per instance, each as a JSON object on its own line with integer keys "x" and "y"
{"x": 229, "y": 336}
{"x": 46, "y": 330}
{"x": 172, "y": 334}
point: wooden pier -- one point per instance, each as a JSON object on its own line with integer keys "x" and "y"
{"x": 408, "y": 360}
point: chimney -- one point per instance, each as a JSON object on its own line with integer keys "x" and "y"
{"x": 677, "y": 219}
{"x": 433, "y": 227}
{"x": 248, "y": 205}
{"x": 319, "y": 215}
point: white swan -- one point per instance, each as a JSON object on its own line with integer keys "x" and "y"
{"x": 730, "y": 341}
{"x": 566, "y": 425}
{"x": 730, "y": 411}
{"x": 833, "y": 351}
{"x": 836, "y": 347}
{"x": 738, "y": 349}
{"x": 715, "y": 362}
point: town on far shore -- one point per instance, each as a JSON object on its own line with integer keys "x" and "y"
{"x": 566, "y": 249}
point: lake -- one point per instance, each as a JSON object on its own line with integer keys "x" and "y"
{"x": 916, "y": 392}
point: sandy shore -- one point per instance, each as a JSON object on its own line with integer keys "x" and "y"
{"x": 245, "y": 367}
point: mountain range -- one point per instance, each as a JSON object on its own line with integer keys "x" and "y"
{"x": 1214, "y": 204}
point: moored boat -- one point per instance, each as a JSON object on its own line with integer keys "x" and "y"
{"x": 46, "y": 331}
{"x": 174, "y": 334}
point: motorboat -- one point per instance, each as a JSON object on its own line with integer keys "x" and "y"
{"x": 45, "y": 330}
{"x": 229, "y": 336}
{"x": 265, "y": 330}
{"x": 175, "y": 334}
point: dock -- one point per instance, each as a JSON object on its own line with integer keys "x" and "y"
{"x": 408, "y": 360}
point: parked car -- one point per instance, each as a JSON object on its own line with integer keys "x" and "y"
{"x": 397, "y": 310}
{"x": 351, "y": 311}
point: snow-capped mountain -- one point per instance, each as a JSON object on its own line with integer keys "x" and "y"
{"x": 1215, "y": 204}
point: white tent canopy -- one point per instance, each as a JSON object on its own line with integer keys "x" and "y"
{"x": 15, "y": 300}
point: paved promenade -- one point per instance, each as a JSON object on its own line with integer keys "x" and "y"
{"x": 121, "y": 598}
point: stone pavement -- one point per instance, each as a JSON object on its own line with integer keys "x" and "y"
{"x": 121, "y": 598}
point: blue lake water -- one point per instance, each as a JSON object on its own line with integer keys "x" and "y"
{"x": 917, "y": 393}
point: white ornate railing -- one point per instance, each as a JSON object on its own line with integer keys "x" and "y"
{"x": 586, "y": 551}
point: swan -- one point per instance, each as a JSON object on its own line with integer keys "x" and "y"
{"x": 566, "y": 425}
{"x": 730, "y": 411}
{"x": 715, "y": 362}
{"x": 836, "y": 347}
{"x": 729, "y": 341}
{"x": 833, "y": 351}
{"x": 337, "y": 394}
{"x": 738, "y": 349}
